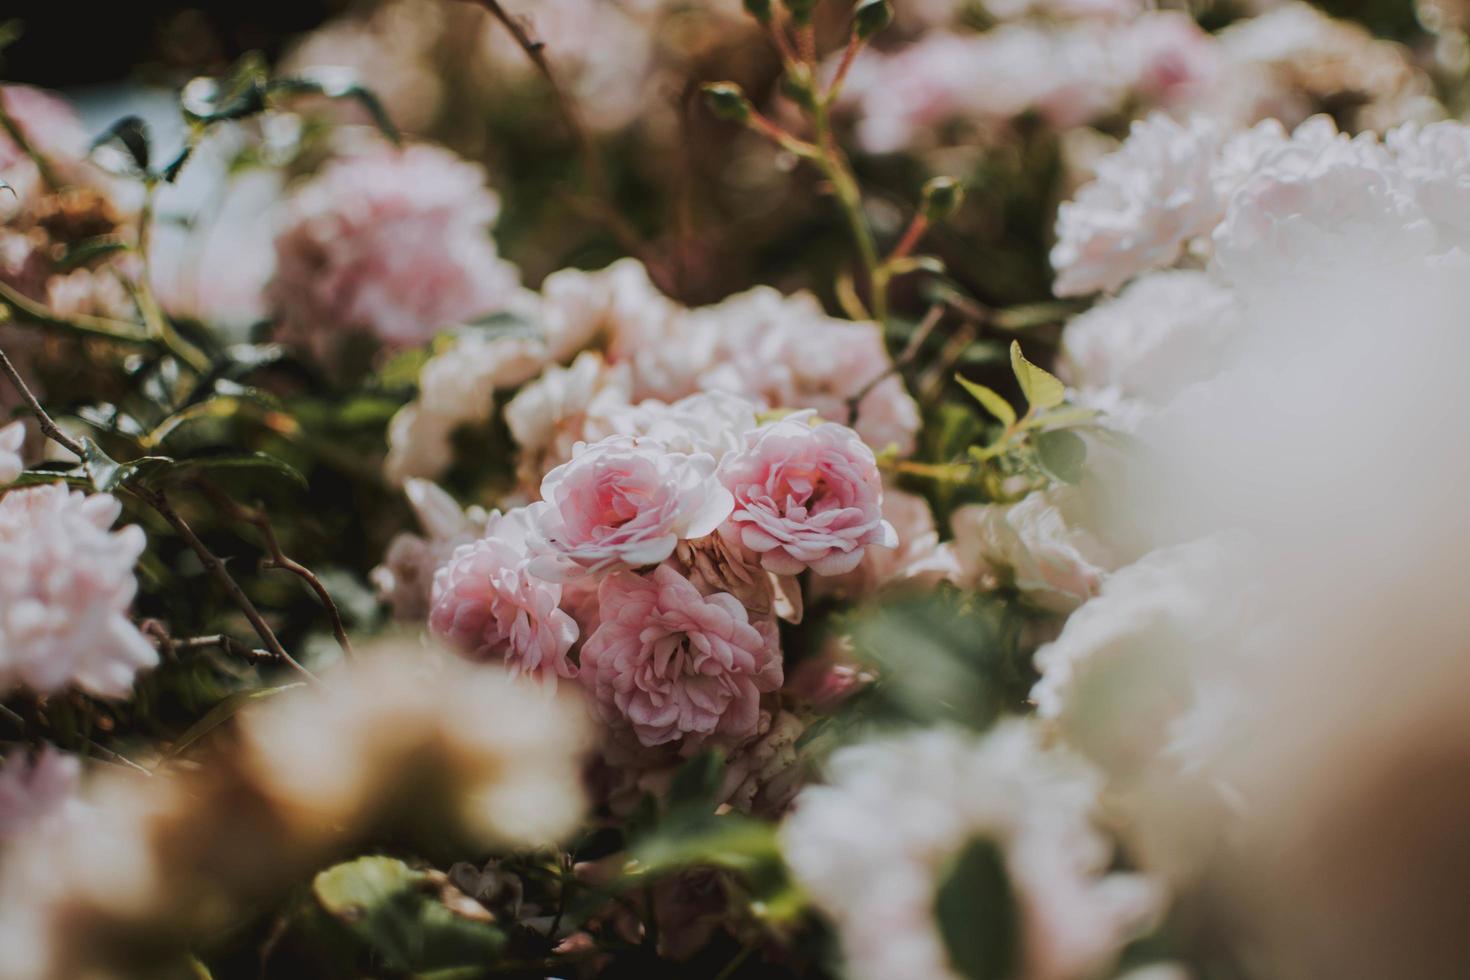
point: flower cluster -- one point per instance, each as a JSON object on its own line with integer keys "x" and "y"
{"x": 606, "y": 352}
{"x": 649, "y": 565}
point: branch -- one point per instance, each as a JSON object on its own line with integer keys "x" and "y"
{"x": 910, "y": 353}
{"x": 25, "y": 310}
{"x": 159, "y": 502}
{"x": 48, "y": 425}
{"x": 536, "y": 50}
{"x": 278, "y": 558}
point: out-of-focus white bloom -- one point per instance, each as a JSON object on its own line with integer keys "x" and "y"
{"x": 406, "y": 576}
{"x": 66, "y": 581}
{"x": 1436, "y": 161}
{"x": 1164, "y": 331}
{"x": 392, "y": 243}
{"x": 1117, "y": 676}
{"x": 1169, "y": 60}
{"x": 1037, "y": 544}
{"x": 1149, "y": 200}
{"x": 12, "y": 439}
{"x": 1322, "y": 204}
{"x": 564, "y": 407}
{"x": 38, "y": 796}
{"x": 871, "y": 848}
{"x": 1081, "y": 9}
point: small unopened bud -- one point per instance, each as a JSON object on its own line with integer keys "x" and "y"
{"x": 942, "y": 197}
{"x": 801, "y": 11}
{"x": 797, "y": 86}
{"x": 727, "y": 101}
{"x": 759, "y": 9}
{"x": 871, "y": 16}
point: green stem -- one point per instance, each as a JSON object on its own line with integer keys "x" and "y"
{"x": 26, "y": 310}
{"x": 158, "y": 325}
{"x": 845, "y": 186}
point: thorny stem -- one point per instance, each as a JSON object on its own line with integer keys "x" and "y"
{"x": 18, "y": 136}
{"x": 160, "y": 503}
{"x": 278, "y": 558}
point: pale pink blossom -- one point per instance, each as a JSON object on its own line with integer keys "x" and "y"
{"x": 563, "y": 407}
{"x": 12, "y": 439}
{"x": 919, "y": 560}
{"x": 672, "y": 664}
{"x": 786, "y": 352}
{"x": 38, "y": 795}
{"x": 619, "y": 305}
{"x": 1435, "y": 159}
{"x": 713, "y": 422}
{"x": 1150, "y": 199}
{"x": 806, "y": 496}
{"x": 489, "y": 605}
{"x": 405, "y": 578}
{"x": 626, "y": 502}
{"x": 66, "y": 582}
{"x": 392, "y": 244}
{"x": 1172, "y": 61}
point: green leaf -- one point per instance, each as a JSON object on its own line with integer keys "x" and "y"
{"x": 238, "y": 94}
{"x": 5, "y": 186}
{"x": 106, "y": 472}
{"x": 1062, "y": 455}
{"x": 1042, "y": 389}
{"x": 160, "y": 468}
{"x": 129, "y": 136}
{"x": 223, "y": 712}
{"x": 84, "y": 251}
{"x": 394, "y": 911}
{"x": 991, "y": 399}
{"x": 696, "y": 784}
{"x": 977, "y": 914}
{"x": 337, "y": 83}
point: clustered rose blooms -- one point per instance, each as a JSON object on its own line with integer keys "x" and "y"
{"x": 66, "y": 582}
{"x": 656, "y": 562}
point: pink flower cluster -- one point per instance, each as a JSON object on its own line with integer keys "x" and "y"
{"x": 66, "y": 581}
{"x": 653, "y": 567}
{"x": 392, "y": 244}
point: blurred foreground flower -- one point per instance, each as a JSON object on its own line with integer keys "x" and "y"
{"x": 439, "y": 752}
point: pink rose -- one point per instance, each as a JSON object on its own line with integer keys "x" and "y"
{"x": 671, "y": 663}
{"x": 806, "y": 497}
{"x": 626, "y": 502}
{"x": 489, "y": 605}
{"x": 12, "y": 439}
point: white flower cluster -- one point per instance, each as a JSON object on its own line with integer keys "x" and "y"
{"x": 871, "y": 848}
{"x": 632, "y": 351}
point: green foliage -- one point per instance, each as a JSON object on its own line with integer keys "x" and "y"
{"x": 395, "y": 913}
{"x": 1042, "y": 389}
{"x": 1062, "y": 455}
{"x": 978, "y": 915}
